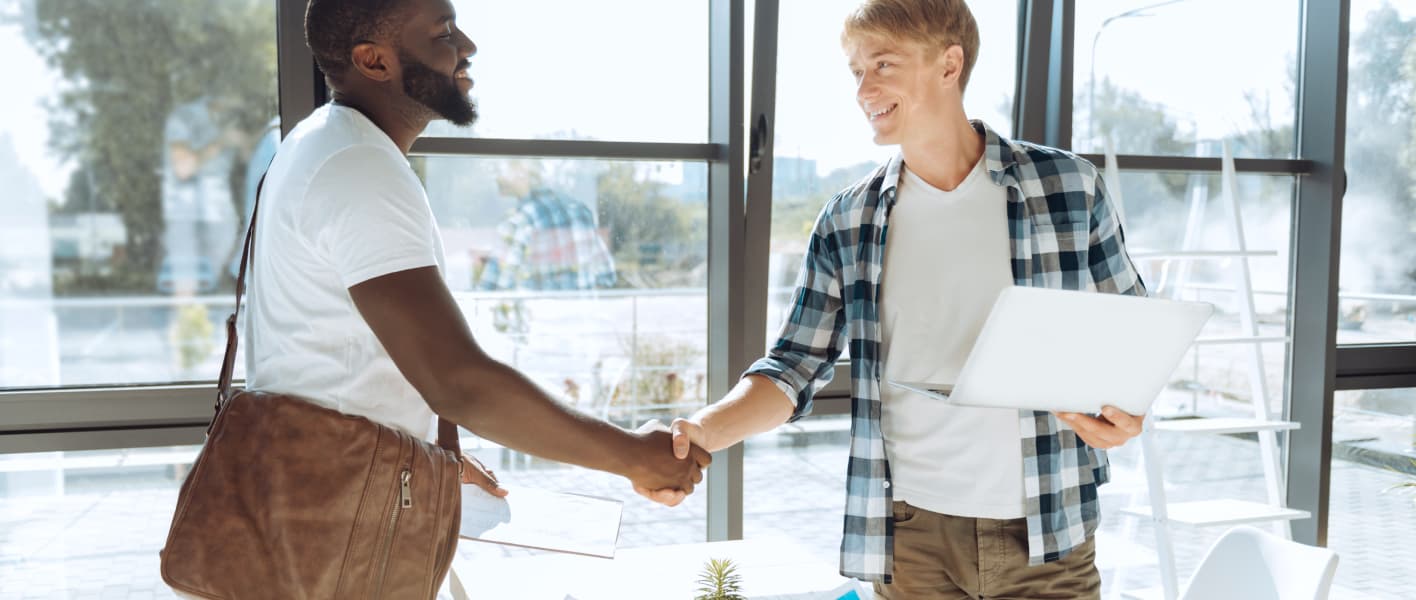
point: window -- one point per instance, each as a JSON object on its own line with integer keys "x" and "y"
{"x": 1167, "y": 214}
{"x": 564, "y": 69}
{"x": 130, "y": 160}
{"x": 590, "y": 277}
{"x": 1166, "y": 77}
{"x": 1373, "y": 486}
{"x": 1377, "y": 294}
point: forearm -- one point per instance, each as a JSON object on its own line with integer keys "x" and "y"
{"x": 755, "y": 405}
{"x": 499, "y": 404}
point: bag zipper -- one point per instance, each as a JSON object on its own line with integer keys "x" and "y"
{"x": 405, "y": 502}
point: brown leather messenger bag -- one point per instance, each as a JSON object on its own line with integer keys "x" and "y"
{"x": 289, "y": 499}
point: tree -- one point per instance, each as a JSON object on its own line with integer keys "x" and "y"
{"x": 653, "y": 237}
{"x": 126, "y": 66}
{"x": 1380, "y": 211}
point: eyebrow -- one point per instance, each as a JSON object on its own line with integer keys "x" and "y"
{"x": 447, "y": 18}
{"x": 878, "y": 54}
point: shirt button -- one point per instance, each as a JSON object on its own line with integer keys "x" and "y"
{"x": 887, "y": 485}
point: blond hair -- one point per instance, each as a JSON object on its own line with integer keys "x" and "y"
{"x": 936, "y": 24}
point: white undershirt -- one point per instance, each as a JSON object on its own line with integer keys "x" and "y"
{"x": 946, "y": 260}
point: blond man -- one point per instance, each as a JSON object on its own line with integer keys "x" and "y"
{"x": 942, "y": 501}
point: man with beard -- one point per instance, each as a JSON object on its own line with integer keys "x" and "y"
{"x": 348, "y": 307}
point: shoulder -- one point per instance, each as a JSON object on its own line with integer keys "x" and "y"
{"x": 1045, "y": 163}
{"x": 846, "y": 206}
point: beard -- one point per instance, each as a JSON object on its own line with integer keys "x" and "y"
{"x": 437, "y": 92}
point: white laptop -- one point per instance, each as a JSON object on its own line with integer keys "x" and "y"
{"x": 1056, "y": 350}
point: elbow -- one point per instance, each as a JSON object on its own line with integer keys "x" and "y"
{"x": 457, "y": 395}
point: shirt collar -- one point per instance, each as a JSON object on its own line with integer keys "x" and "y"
{"x": 998, "y": 156}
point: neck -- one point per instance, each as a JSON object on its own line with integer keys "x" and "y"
{"x": 400, "y": 125}
{"x": 944, "y": 159}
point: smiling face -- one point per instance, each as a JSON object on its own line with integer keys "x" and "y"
{"x": 433, "y": 59}
{"x": 905, "y": 90}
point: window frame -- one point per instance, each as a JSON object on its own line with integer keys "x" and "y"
{"x": 739, "y": 207}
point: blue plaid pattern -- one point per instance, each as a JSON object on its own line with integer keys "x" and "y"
{"x": 1064, "y": 235}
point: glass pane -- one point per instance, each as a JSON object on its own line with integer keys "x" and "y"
{"x": 1373, "y": 492}
{"x": 129, "y": 161}
{"x": 1133, "y": 84}
{"x": 795, "y": 484}
{"x": 1168, "y": 214}
{"x": 584, "y": 71}
{"x": 591, "y": 278}
{"x": 814, "y": 87}
{"x": 1377, "y": 296}
{"x": 88, "y": 524}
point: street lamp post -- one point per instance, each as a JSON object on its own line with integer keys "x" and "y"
{"x": 1091, "y": 81}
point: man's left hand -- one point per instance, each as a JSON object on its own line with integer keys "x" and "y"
{"x": 476, "y": 473}
{"x": 1110, "y": 430}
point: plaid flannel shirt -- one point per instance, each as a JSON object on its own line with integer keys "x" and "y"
{"x": 551, "y": 243}
{"x": 1064, "y": 234}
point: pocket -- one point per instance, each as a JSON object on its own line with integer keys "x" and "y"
{"x": 902, "y": 513}
{"x": 1060, "y": 255}
{"x": 1068, "y": 236}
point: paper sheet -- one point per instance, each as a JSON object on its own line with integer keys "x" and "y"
{"x": 532, "y": 518}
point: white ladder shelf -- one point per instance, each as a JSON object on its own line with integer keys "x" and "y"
{"x": 1211, "y": 512}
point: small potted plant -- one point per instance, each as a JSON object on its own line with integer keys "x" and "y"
{"x": 719, "y": 581}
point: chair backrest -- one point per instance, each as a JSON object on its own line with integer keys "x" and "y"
{"x": 1249, "y": 564}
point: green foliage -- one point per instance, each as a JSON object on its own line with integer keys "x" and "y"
{"x": 656, "y": 240}
{"x": 191, "y": 335}
{"x": 125, "y": 66}
{"x": 667, "y": 373}
{"x": 719, "y": 580}
{"x": 794, "y": 214}
{"x": 1407, "y": 486}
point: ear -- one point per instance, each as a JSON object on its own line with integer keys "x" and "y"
{"x": 951, "y": 61}
{"x": 373, "y": 61}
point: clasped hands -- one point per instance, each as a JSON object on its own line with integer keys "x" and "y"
{"x": 662, "y": 466}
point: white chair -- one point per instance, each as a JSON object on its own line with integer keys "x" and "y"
{"x": 1249, "y": 564}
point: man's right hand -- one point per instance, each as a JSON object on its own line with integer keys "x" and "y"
{"x": 665, "y": 477}
{"x": 687, "y": 434}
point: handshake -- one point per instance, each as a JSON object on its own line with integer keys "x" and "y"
{"x": 669, "y": 462}
{"x": 663, "y": 464}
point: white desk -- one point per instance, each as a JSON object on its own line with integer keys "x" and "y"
{"x": 769, "y": 566}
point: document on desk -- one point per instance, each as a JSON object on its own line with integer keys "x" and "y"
{"x": 532, "y": 518}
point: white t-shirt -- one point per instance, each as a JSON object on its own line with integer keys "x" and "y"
{"x": 340, "y": 206}
{"x": 946, "y": 260}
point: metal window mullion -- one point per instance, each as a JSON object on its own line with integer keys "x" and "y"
{"x": 1197, "y": 164}
{"x": 130, "y": 407}
{"x": 726, "y": 299}
{"x": 300, "y": 82}
{"x": 585, "y": 149}
{"x": 1042, "y": 106}
{"x": 1375, "y": 366}
{"x": 1322, "y": 119}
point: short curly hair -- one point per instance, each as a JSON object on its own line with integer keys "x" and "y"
{"x": 334, "y": 27}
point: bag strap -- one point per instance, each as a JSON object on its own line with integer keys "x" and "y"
{"x": 447, "y": 431}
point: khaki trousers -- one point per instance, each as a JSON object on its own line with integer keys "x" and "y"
{"x": 952, "y": 558}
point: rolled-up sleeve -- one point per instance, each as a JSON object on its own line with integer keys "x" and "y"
{"x": 812, "y": 337}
